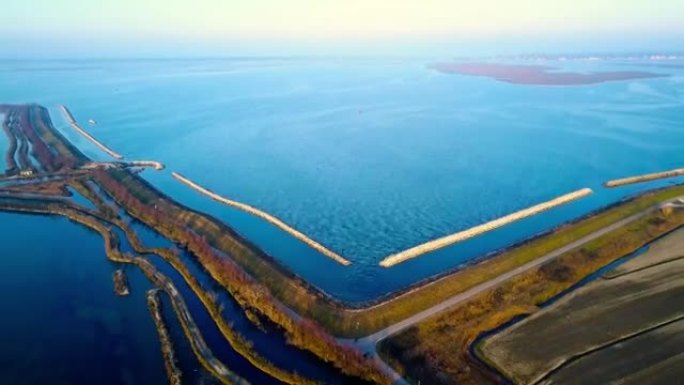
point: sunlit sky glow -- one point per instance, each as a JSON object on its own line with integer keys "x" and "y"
{"x": 329, "y": 26}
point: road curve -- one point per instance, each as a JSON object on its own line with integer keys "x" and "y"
{"x": 368, "y": 344}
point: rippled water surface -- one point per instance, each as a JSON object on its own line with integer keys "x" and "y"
{"x": 367, "y": 157}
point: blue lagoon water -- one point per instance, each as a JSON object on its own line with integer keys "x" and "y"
{"x": 368, "y": 157}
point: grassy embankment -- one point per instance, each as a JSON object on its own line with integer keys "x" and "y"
{"x": 420, "y": 353}
{"x": 170, "y": 363}
{"x": 296, "y": 294}
{"x": 199, "y": 346}
{"x": 515, "y": 256}
{"x": 48, "y": 189}
{"x": 57, "y": 154}
{"x": 112, "y": 252}
{"x": 190, "y": 229}
{"x": 590, "y": 319}
{"x": 343, "y": 321}
{"x": 11, "y": 163}
{"x": 238, "y": 343}
{"x": 50, "y": 148}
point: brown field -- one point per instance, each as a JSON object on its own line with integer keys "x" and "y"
{"x": 631, "y": 362}
{"x": 665, "y": 250}
{"x": 595, "y": 316}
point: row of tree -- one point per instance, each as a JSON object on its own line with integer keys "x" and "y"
{"x": 301, "y": 332}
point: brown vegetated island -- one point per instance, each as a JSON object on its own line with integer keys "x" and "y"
{"x": 173, "y": 373}
{"x": 211, "y": 242}
{"x": 538, "y": 74}
{"x": 120, "y": 283}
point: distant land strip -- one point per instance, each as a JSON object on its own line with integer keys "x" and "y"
{"x": 538, "y": 74}
{"x": 265, "y": 216}
{"x": 645, "y": 178}
{"x": 72, "y": 121}
{"x": 481, "y": 229}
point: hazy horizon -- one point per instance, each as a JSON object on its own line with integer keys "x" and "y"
{"x": 434, "y": 28}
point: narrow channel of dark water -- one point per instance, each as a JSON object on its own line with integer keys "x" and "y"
{"x": 32, "y": 159}
{"x": 583, "y": 282}
{"x": 271, "y": 344}
{"x": 596, "y": 274}
{"x": 210, "y": 332}
{"x": 192, "y": 371}
{"x": 79, "y": 199}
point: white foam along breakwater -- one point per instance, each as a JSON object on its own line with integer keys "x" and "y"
{"x": 265, "y": 216}
{"x": 407, "y": 254}
{"x": 70, "y": 118}
{"x": 460, "y": 236}
{"x": 146, "y": 163}
{"x": 645, "y": 178}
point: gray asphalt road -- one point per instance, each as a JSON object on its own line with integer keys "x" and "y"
{"x": 368, "y": 344}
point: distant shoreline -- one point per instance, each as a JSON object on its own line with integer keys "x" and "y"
{"x": 538, "y": 74}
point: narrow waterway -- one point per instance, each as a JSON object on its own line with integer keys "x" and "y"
{"x": 192, "y": 370}
{"x": 79, "y": 199}
{"x": 269, "y": 343}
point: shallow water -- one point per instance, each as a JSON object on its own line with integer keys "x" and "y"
{"x": 367, "y": 157}
{"x": 192, "y": 371}
{"x": 79, "y": 199}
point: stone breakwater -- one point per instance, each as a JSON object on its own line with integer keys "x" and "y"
{"x": 481, "y": 229}
{"x": 70, "y": 118}
{"x": 145, "y": 163}
{"x": 644, "y": 178}
{"x": 265, "y": 216}
{"x": 407, "y": 254}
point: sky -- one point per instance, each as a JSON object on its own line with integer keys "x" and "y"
{"x": 336, "y": 27}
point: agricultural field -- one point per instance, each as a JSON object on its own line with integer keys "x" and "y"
{"x": 597, "y": 327}
{"x": 630, "y": 362}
